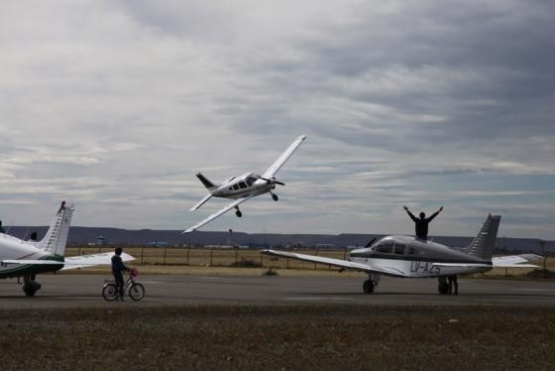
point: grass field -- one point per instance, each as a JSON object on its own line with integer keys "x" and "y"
{"x": 301, "y": 337}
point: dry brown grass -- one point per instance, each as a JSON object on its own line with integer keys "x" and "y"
{"x": 318, "y": 337}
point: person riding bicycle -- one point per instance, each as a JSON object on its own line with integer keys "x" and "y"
{"x": 117, "y": 270}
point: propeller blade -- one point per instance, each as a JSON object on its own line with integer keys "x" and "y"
{"x": 272, "y": 180}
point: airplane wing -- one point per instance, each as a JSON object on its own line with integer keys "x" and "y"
{"x": 334, "y": 262}
{"x": 218, "y": 213}
{"x": 282, "y": 159}
{"x": 201, "y": 202}
{"x": 516, "y": 261}
{"x": 73, "y": 262}
{"x": 83, "y": 261}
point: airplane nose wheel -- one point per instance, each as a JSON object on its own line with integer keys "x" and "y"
{"x": 368, "y": 287}
{"x": 275, "y": 197}
{"x": 238, "y": 213}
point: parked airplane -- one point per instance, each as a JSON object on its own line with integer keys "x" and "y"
{"x": 19, "y": 258}
{"x": 244, "y": 187}
{"x": 409, "y": 257}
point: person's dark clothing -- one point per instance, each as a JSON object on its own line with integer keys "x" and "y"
{"x": 117, "y": 270}
{"x": 421, "y": 225}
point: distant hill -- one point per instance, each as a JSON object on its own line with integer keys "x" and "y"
{"x": 115, "y": 236}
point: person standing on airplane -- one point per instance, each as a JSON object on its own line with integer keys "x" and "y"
{"x": 117, "y": 270}
{"x": 421, "y": 225}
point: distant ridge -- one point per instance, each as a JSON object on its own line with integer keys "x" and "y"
{"x": 115, "y": 236}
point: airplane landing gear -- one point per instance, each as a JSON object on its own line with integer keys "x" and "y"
{"x": 239, "y": 213}
{"x": 368, "y": 287}
{"x": 30, "y": 286}
{"x": 371, "y": 283}
{"x": 274, "y": 197}
{"x": 443, "y": 286}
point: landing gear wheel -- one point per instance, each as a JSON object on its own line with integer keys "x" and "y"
{"x": 136, "y": 291}
{"x": 238, "y": 213}
{"x": 368, "y": 287}
{"x": 31, "y": 287}
{"x": 443, "y": 288}
{"x": 109, "y": 292}
{"x": 275, "y": 197}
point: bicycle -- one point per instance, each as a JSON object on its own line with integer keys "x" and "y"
{"x": 135, "y": 290}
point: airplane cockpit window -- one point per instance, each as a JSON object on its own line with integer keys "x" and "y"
{"x": 385, "y": 248}
{"x": 251, "y": 179}
{"x": 399, "y": 249}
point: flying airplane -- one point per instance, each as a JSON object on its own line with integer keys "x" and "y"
{"x": 244, "y": 187}
{"x": 19, "y": 258}
{"x": 409, "y": 257}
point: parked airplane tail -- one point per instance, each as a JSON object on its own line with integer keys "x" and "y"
{"x": 483, "y": 245}
{"x": 207, "y": 183}
{"x": 56, "y": 236}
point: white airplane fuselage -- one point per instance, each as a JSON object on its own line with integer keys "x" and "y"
{"x": 242, "y": 186}
{"x": 12, "y": 248}
{"x": 409, "y": 257}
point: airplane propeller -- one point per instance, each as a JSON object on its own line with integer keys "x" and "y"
{"x": 272, "y": 180}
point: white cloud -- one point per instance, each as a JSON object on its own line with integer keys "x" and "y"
{"x": 117, "y": 105}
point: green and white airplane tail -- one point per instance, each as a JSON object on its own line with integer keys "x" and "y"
{"x": 54, "y": 242}
{"x": 484, "y": 243}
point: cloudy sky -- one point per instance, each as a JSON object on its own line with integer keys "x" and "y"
{"x": 115, "y": 105}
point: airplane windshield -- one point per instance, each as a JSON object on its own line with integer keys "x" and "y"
{"x": 251, "y": 179}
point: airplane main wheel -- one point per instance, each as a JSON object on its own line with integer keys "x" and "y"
{"x": 238, "y": 213}
{"x": 443, "y": 288}
{"x": 275, "y": 197}
{"x": 368, "y": 287}
{"x": 31, "y": 287}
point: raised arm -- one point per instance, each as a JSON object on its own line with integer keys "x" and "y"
{"x": 435, "y": 214}
{"x": 410, "y": 214}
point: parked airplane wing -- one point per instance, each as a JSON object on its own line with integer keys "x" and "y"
{"x": 218, "y": 213}
{"x": 83, "y": 261}
{"x": 282, "y": 159}
{"x": 335, "y": 262}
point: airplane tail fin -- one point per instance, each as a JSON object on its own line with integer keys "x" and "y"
{"x": 483, "y": 245}
{"x": 207, "y": 183}
{"x": 56, "y": 236}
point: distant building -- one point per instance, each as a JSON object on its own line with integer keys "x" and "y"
{"x": 101, "y": 241}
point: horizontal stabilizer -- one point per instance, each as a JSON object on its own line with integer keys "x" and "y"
{"x": 91, "y": 260}
{"x": 201, "y": 202}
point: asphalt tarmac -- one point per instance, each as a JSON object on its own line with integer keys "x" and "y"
{"x": 82, "y": 290}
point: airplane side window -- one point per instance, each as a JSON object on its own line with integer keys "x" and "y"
{"x": 235, "y": 187}
{"x": 242, "y": 185}
{"x": 412, "y": 251}
{"x": 399, "y": 249}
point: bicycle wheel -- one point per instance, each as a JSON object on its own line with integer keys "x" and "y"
{"x": 109, "y": 292}
{"x": 136, "y": 291}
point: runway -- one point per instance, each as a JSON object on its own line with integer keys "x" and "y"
{"x": 85, "y": 291}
